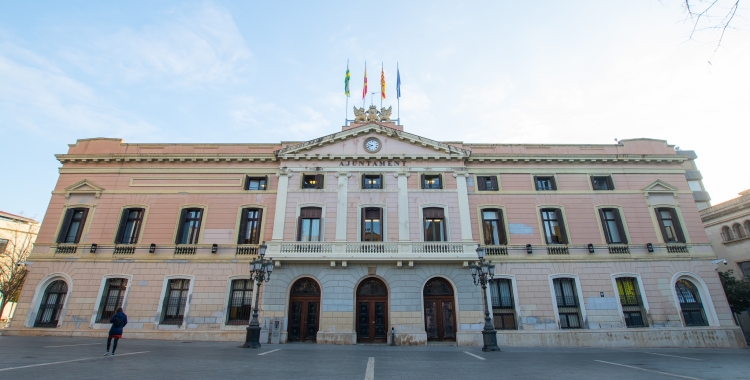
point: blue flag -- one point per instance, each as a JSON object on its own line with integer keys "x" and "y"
{"x": 398, "y": 83}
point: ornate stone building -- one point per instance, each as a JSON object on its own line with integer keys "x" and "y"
{"x": 373, "y": 228}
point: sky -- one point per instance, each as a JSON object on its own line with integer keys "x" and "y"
{"x": 550, "y": 72}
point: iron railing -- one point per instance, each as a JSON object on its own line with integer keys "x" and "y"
{"x": 124, "y": 250}
{"x": 496, "y": 250}
{"x": 618, "y": 249}
{"x": 185, "y": 250}
{"x": 247, "y": 249}
{"x": 109, "y": 308}
{"x": 66, "y": 249}
{"x": 557, "y": 250}
{"x": 677, "y": 248}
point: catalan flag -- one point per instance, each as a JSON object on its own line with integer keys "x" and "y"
{"x": 346, "y": 80}
{"x": 364, "y": 89}
{"x": 382, "y": 83}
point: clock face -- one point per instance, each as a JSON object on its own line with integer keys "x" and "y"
{"x": 372, "y": 145}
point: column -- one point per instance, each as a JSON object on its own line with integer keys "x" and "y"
{"x": 463, "y": 206}
{"x": 403, "y": 206}
{"x": 341, "y": 205}
{"x": 280, "y": 214}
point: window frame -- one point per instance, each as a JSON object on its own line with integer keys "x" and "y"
{"x": 742, "y": 271}
{"x": 363, "y": 219}
{"x": 640, "y": 295}
{"x": 243, "y": 220}
{"x": 502, "y": 224}
{"x": 553, "y": 182}
{"x": 579, "y": 298}
{"x": 561, "y": 222}
{"x": 184, "y": 210}
{"x": 161, "y": 307}
{"x": 514, "y": 300}
{"x": 423, "y": 181}
{"x": 102, "y": 286}
{"x": 104, "y": 298}
{"x": 444, "y": 222}
{"x": 249, "y": 178}
{"x": 125, "y": 218}
{"x": 364, "y": 176}
{"x": 66, "y": 220}
{"x": 681, "y": 237}
{"x": 319, "y": 178}
{"x": 301, "y": 218}
{"x": 619, "y": 221}
{"x": 227, "y": 320}
{"x": 608, "y": 178}
{"x": 480, "y": 185}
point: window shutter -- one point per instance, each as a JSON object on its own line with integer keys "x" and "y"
{"x": 299, "y": 228}
{"x": 440, "y": 181}
{"x": 363, "y": 181}
{"x": 121, "y": 228}
{"x": 610, "y": 183}
{"x": 180, "y": 226}
{"x": 319, "y": 184}
{"x": 661, "y": 224}
{"x": 493, "y": 181}
{"x": 561, "y": 223}
{"x": 602, "y": 219}
{"x": 536, "y": 183}
{"x": 481, "y": 184}
{"x": 501, "y": 228}
{"x": 553, "y": 182}
{"x": 677, "y": 226}
{"x": 593, "y": 183}
{"x": 362, "y": 222}
{"x": 246, "y": 184}
{"x": 620, "y": 226}
{"x": 243, "y": 227}
{"x": 267, "y": 184}
{"x": 421, "y": 178}
{"x": 83, "y": 224}
{"x": 65, "y": 225}
{"x": 260, "y": 224}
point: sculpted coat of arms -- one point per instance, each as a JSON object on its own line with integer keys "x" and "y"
{"x": 372, "y": 114}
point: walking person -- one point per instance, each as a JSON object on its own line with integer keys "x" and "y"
{"x": 118, "y": 321}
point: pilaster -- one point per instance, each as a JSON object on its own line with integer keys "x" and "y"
{"x": 280, "y": 214}
{"x": 403, "y": 206}
{"x": 463, "y": 206}
{"x": 341, "y": 203}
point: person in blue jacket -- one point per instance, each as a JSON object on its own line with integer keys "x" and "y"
{"x": 118, "y": 321}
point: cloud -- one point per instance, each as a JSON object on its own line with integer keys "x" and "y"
{"x": 276, "y": 122}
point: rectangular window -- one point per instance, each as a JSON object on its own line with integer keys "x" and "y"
{"x": 545, "y": 183}
{"x": 602, "y": 182}
{"x": 309, "y": 224}
{"x": 3, "y": 245}
{"x": 72, "y": 227}
{"x": 372, "y": 181}
{"x": 669, "y": 225}
{"x": 612, "y": 225}
{"x": 503, "y": 311}
{"x": 432, "y": 181}
{"x": 695, "y": 185}
{"x": 554, "y": 227}
{"x": 256, "y": 183}
{"x": 630, "y": 299}
{"x": 250, "y": 222}
{"x": 487, "y": 183}
{"x": 240, "y": 300}
{"x": 493, "y": 227}
{"x": 312, "y": 181}
{"x": 112, "y": 298}
{"x": 372, "y": 224}
{"x": 175, "y": 301}
{"x": 130, "y": 226}
{"x": 744, "y": 269}
{"x": 190, "y": 226}
{"x": 434, "y": 224}
{"x": 567, "y": 303}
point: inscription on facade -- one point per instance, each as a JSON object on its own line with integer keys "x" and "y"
{"x": 373, "y": 163}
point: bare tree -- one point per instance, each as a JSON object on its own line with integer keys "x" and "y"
{"x": 711, "y": 15}
{"x": 14, "y": 250}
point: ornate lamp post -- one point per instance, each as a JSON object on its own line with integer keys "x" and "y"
{"x": 260, "y": 271}
{"x": 483, "y": 272}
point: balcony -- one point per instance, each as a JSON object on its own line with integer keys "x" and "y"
{"x": 247, "y": 249}
{"x": 495, "y": 250}
{"x": 185, "y": 250}
{"x": 371, "y": 250}
{"x": 66, "y": 249}
{"x": 124, "y": 250}
{"x": 618, "y": 249}
{"x": 557, "y": 250}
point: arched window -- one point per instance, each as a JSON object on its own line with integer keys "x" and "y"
{"x": 747, "y": 227}
{"x": 52, "y": 304}
{"x": 690, "y": 303}
{"x": 726, "y": 233}
{"x": 737, "y": 230}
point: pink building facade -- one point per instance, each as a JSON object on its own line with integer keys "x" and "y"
{"x": 372, "y": 230}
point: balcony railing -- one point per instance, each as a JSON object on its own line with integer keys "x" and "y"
{"x": 247, "y": 249}
{"x": 185, "y": 250}
{"x": 124, "y": 250}
{"x": 677, "y": 248}
{"x": 437, "y": 247}
{"x": 306, "y": 247}
{"x": 557, "y": 250}
{"x": 494, "y": 250}
{"x": 618, "y": 249}
{"x": 371, "y": 248}
{"x": 66, "y": 249}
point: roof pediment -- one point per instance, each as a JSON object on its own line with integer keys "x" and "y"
{"x": 350, "y": 144}
{"x": 660, "y": 186}
{"x": 84, "y": 186}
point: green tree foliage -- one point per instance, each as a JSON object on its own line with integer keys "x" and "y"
{"x": 738, "y": 291}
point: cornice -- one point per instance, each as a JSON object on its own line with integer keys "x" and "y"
{"x": 576, "y": 158}
{"x": 153, "y": 157}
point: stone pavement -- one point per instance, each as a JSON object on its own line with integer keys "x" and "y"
{"x": 81, "y": 358}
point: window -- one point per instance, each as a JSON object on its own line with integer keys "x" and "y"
{"x": 503, "y": 312}
{"x": 372, "y": 224}
{"x": 3, "y": 245}
{"x": 695, "y": 185}
{"x": 52, "y": 304}
{"x": 545, "y": 183}
{"x": 309, "y": 224}
{"x": 493, "y": 227}
{"x": 670, "y": 225}
{"x": 487, "y": 183}
{"x": 612, "y": 225}
{"x": 112, "y": 298}
{"x": 434, "y": 224}
{"x": 737, "y": 229}
{"x": 432, "y": 181}
{"x": 630, "y": 299}
{"x": 72, "y": 227}
{"x": 602, "y": 182}
{"x": 554, "y": 227}
{"x": 372, "y": 181}
{"x": 747, "y": 227}
{"x": 190, "y": 226}
{"x": 726, "y": 233}
{"x": 690, "y": 303}
{"x": 130, "y": 226}
{"x": 567, "y": 303}
{"x": 250, "y": 222}
{"x": 744, "y": 269}
{"x": 175, "y": 301}
{"x": 313, "y": 181}
{"x": 240, "y": 301}
{"x": 256, "y": 183}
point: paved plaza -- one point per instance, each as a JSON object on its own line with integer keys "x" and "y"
{"x": 81, "y": 358}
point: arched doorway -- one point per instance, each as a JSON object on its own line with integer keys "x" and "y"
{"x": 304, "y": 311}
{"x": 52, "y": 304}
{"x": 690, "y": 303}
{"x": 372, "y": 311}
{"x": 439, "y": 311}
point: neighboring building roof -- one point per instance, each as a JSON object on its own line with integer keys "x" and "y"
{"x": 16, "y": 218}
{"x": 727, "y": 207}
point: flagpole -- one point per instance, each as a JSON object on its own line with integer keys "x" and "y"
{"x": 382, "y": 73}
{"x": 346, "y": 109}
{"x": 398, "y": 94}
{"x": 364, "y": 90}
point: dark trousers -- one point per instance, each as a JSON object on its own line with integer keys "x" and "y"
{"x": 114, "y": 346}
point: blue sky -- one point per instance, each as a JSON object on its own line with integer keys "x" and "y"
{"x": 242, "y": 71}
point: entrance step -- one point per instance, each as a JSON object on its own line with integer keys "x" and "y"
{"x": 442, "y": 344}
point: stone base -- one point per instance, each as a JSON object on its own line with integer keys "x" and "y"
{"x": 191, "y": 335}
{"x": 337, "y": 337}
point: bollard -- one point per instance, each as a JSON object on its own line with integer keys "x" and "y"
{"x": 393, "y": 336}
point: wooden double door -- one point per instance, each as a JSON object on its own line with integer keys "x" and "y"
{"x": 372, "y": 311}
{"x": 439, "y": 311}
{"x": 304, "y": 311}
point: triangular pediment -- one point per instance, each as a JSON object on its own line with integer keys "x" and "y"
{"x": 84, "y": 186}
{"x": 392, "y": 143}
{"x": 659, "y": 186}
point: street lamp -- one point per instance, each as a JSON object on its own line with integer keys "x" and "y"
{"x": 483, "y": 272}
{"x": 260, "y": 271}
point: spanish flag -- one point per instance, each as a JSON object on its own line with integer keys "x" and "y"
{"x": 364, "y": 89}
{"x": 382, "y": 83}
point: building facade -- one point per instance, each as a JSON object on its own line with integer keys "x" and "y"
{"x": 727, "y": 225}
{"x": 17, "y": 236}
{"x": 372, "y": 229}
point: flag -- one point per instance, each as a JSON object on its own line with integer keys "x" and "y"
{"x": 398, "y": 83}
{"x": 364, "y": 89}
{"x": 346, "y": 80}
{"x": 382, "y": 83}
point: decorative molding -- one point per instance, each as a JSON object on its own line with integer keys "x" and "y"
{"x": 84, "y": 186}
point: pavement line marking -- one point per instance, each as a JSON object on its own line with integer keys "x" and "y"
{"x": 73, "y": 345}
{"x": 70, "y": 361}
{"x": 476, "y": 356}
{"x": 268, "y": 352}
{"x": 649, "y": 370}
{"x": 673, "y": 356}
{"x": 370, "y": 372}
